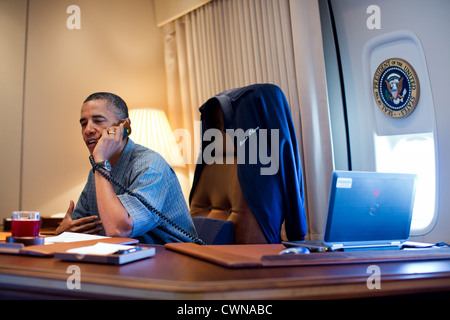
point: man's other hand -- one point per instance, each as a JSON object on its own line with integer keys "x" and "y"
{"x": 90, "y": 225}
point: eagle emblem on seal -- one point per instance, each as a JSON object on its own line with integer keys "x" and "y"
{"x": 395, "y": 86}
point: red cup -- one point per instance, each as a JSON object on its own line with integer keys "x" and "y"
{"x": 25, "y": 224}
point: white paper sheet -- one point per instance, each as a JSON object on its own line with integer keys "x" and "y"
{"x": 100, "y": 248}
{"x": 71, "y": 237}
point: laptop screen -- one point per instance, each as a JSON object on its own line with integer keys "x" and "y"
{"x": 369, "y": 206}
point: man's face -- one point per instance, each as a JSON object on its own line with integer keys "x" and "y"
{"x": 95, "y": 117}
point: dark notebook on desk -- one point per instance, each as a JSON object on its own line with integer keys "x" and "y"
{"x": 366, "y": 210}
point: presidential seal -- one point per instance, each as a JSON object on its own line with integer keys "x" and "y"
{"x": 396, "y": 88}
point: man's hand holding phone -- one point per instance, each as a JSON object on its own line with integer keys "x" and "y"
{"x": 112, "y": 142}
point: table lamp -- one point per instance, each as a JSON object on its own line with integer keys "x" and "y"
{"x": 151, "y": 129}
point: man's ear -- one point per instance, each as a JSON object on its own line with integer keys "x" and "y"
{"x": 123, "y": 121}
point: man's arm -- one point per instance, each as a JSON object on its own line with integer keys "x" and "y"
{"x": 116, "y": 221}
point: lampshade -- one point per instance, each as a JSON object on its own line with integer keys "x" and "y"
{"x": 150, "y": 128}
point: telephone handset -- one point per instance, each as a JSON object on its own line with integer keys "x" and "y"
{"x": 126, "y": 128}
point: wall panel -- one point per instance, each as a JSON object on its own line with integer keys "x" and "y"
{"x": 118, "y": 48}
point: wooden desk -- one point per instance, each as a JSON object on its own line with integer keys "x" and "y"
{"x": 172, "y": 275}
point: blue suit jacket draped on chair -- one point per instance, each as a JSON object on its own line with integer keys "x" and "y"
{"x": 272, "y": 197}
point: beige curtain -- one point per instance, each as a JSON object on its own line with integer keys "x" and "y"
{"x": 233, "y": 43}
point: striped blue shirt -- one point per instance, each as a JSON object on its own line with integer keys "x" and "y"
{"x": 146, "y": 173}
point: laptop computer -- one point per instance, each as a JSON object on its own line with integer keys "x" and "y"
{"x": 366, "y": 210}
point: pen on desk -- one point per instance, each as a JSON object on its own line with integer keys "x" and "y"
{"x": 123, "y": 251}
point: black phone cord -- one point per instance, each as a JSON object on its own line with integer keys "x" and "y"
{"x": 169, "y": 221}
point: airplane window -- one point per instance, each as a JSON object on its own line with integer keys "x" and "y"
{"x": 412, "y": 153}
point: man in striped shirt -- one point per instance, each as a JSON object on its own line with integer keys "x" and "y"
{"x": 105, "y": 208}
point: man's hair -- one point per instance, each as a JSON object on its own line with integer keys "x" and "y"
{"x": 115, "y": 103}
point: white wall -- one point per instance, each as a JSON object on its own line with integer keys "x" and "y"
{"x": 12, "y": 51}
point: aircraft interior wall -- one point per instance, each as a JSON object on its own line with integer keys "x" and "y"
{"x": 361, "y": 35}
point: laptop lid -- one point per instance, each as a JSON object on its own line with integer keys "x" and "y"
{"x": 369, "y": 208}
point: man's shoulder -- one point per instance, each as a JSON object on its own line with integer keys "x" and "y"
{"x": 140, "y": 152}
{"x": 146, "y": 158}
